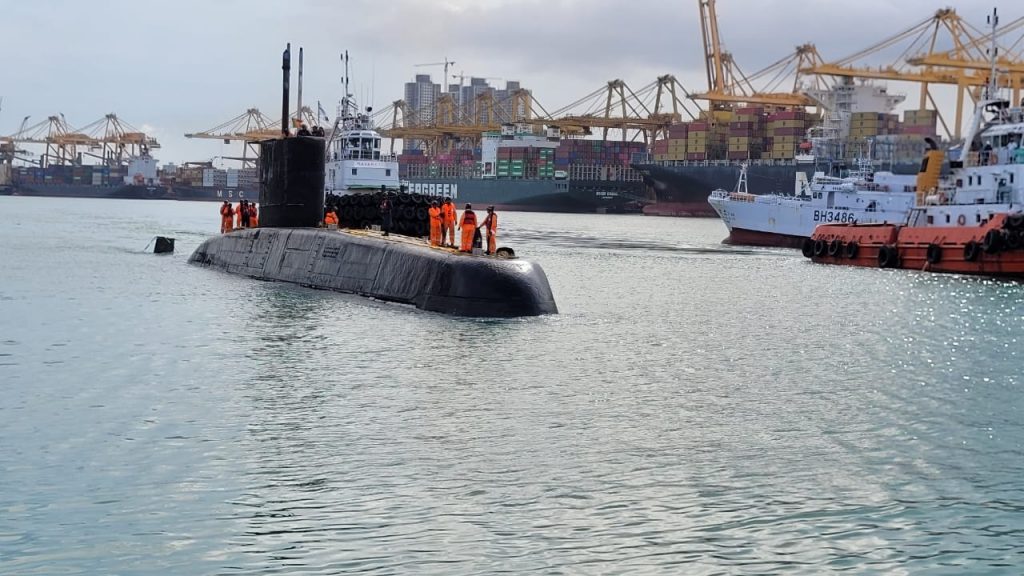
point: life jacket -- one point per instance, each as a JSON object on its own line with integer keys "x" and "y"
{"x": 468, "y": 219}
{"x": 491, "y": 222}
{"x": 226, "y": 210}
{"x": 435, "y": 213}
{"x": 448, "y": 212}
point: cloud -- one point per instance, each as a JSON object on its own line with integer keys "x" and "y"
{"x": 189, "y": 65}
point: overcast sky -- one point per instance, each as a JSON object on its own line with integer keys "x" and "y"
{"x": 172, "y": 67}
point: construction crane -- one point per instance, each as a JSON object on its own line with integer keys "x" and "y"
{"x": 728, "y": 85}
{"x": 922, "y": 58}
{"x": 447, "y": 63}
{"x": 462, "y": 78}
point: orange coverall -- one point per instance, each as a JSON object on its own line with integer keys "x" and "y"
{"x": 468, "y": 225}
{"x": 226, "y": 213}
{"x": 448, "y": 218}
{"x": 435, "y": 225}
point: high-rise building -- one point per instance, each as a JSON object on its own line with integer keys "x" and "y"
{"x": 421, "y": 97}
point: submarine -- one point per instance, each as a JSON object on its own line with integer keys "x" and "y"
{"x": 288, "y": 246}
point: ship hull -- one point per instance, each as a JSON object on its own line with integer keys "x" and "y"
{"x": 536, "y": 195}
{"x": 134, "y": 192}
{"x": 743, "y": 237}
{"x": 689, "y": 185}
{"x": 771, "y": 220}
{"x": 995, "y": 248}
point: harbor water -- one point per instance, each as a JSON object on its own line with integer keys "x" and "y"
{"x": 694, "y": 409}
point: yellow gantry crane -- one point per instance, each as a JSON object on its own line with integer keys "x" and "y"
{"x": 108, "y": 139}
{"x": 729, "y": 86}
{"x": 923, "y": 59}
{"x": 249, "y": 128}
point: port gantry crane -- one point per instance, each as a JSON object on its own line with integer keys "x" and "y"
{"x": 942, "y": 49}
{"x": 728, "y": 86}
{"x": 109, "y": 139}
{"x": 249, "y": 128}
{"x": 611, "y": 107}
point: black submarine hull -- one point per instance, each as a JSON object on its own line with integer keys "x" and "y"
{"x": 395, "y": 269}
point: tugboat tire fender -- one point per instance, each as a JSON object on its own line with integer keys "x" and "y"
{"x": 933, "y": 253}
{"x": 851, "y": 250}
{"x": 993, "y": 241}
{"x": 971, "y": 251}
{"x": 887, "y": 257}
{"x": 807, "y": 247}
{"x": 819, "y": 247}
{"x": 835, "y": 247}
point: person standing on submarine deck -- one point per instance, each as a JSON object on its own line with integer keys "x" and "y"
{"x": 468, "y": 225}
{"x": 385, "y": 215}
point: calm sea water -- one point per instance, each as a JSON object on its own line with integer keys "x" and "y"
{"x": 694, "y": 409}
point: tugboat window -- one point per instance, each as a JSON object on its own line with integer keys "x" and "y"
{"x": 354, "y": 170}
{"x": 387, "y": 172}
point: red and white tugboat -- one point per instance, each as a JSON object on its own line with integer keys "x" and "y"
{"x": 971, "y": 222}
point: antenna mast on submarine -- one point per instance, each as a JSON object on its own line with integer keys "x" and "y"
{"x": 286, "y": 67}
{"x": 299, "y": 104}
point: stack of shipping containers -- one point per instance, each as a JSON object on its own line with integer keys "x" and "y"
{"x": 785, "y": 131}
{"x": 708, "y": 138}
{"x": 747, "y": 134}
{"x": 869, "y": 124}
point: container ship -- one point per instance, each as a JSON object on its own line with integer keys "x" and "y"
{"x": 516, "y": 169}
{"x": 708, "y": 153}
{"x": 141, "y": 179}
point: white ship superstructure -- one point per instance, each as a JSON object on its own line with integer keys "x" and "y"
{"x": 355, "y": 162}
{"x": 785, "y": 220}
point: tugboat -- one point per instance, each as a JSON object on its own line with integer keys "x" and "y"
{"x": 861, "y": 196}
{"x": 354, "y": 159}
{"x": 971, "y": 222}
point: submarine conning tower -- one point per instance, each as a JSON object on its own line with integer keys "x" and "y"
{"x": 291, "y": 169}
{"x": 289, "y": 247}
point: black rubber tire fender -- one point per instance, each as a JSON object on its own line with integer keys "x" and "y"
{"x": 933, "y": 254}
{"x": 835, "y": 248}
{"x": 851, "y": 250}
{"x": 819, "y": 247}
{"x": 1015, "y": 221}
{"x": 971, "y": 251}
{"x": 1014, "y": 240}
{"x": 887, "y": 257}
{"x": 992, "y": 242}
{"x": 807, "y": 247}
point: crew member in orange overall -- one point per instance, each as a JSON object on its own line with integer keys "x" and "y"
{"x": 254, "y": 215}
{"x": 491, "y": 223}
{"x": 448, "y": 217}
{"x": 435, "y": 223}
{"x": 468, "y": 225}
{"x": 238, "y": 214}
{"x": 330, "y": 219}
{"x": 226, "y": 213}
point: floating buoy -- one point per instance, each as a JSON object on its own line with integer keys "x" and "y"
{"x": 163, "y": 245}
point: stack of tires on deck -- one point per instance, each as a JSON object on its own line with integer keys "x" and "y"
{"x": 409, "y": 214}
